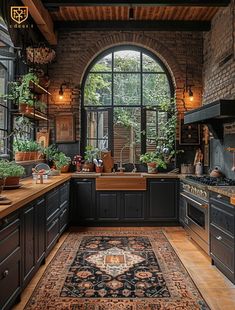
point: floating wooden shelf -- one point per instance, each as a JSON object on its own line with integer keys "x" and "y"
{"x": 230, "y": 149}
{"x": 34, "y": 115}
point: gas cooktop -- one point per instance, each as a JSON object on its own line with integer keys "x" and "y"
{"x": 207, "y": 180}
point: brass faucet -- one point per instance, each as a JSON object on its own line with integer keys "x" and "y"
{"x": 121, "y": 168}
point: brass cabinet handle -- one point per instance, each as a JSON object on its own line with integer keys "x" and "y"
{"x": 5, "y": 273}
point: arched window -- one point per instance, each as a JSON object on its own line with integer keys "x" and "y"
{"x": 123, "y": 95}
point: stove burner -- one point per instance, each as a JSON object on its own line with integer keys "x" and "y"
{"x": 211, "y": 181}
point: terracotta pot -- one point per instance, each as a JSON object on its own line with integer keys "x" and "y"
{"x": 99, "y": 169}
{"x": 64, "y": 169}
{"x": 12, "y": 181}
{"x": 33, "y": 155}
{"x": 19, "y": 156}
{"x": 152, "y": 167}
{"x": 24, "y": 108}
{"x": 89, "y": 167}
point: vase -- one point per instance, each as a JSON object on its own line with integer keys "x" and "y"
{"x": 152, "y": 167}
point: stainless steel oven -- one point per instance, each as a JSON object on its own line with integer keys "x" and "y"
{"x": 196, "y": 219}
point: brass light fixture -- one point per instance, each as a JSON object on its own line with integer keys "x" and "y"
{"x": 61, "y": 91}
{"x": 188, "y": 87}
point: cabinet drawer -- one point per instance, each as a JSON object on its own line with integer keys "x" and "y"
{"x": 64, "y": 194}
{"x": 221, "y": 235}
{"x": 52, "y": 232}
{"x": 64, "y": 218}
{"x": 222, "y": 251}
{"x": 9, "y": 238}
{"x": 9, "y": 279}
{"x": 221, "y": 217}
{"x": 52, "y": 203}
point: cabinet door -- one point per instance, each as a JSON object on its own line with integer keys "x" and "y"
{"x": 40, "y": 227}
{"x": 33, "y": 238}
{"x": 133, "y": 205}
{"x": 162, "y": 199}
{"x": 10, "y": 260}
{"x": 28, "y": 241}
{"x": 83, "y": 205}
{"x": 53, "y": 204}
{"x": 108, "y": 206}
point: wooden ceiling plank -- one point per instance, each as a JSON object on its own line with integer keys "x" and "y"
{"x": 43, "y": 19}
{"x": 200, "y": 3}
{"x": 160, "y": 25}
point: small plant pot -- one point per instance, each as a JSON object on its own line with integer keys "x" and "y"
{"x": 12, "y": 181}
{"x": 24, "y": 108}
{"x": 89, "y": 167}
{"x": 99, "y": 169}
{"x": 19, "y": 156}
{"x": 152, "y": 167}
{"x": 64, "y": 169}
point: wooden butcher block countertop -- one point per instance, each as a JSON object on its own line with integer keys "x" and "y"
{"x": 28, "y": 192}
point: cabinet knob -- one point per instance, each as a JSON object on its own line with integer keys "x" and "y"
{"x": 5, "y": 221}
{"x": 162, "y": 180}
{"x": 186, "y": 220}
{"x": 219, "y": 238}
{"x": 5, "y": 273}
{"x": 219, "y": 196}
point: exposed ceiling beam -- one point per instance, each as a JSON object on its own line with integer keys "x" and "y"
{"x": 198, "y": 3}
{"x": 43, "y": 19}
{"x": 136, "y": 25}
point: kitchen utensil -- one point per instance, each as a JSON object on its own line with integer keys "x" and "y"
{"x": 216, "y": 173}
{"x": 233, "y": 167}
{"x": 198, "y": 168}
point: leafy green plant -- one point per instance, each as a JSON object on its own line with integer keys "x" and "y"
{"x": 61, "y": 160}
{"x": 10, "y": 169}
{"x": 91, "y": 153}
{"x": 26, "y": 146}
{"x": 151, "y": 157}
{"x": 50, "y": 152}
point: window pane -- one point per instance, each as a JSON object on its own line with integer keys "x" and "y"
{"x": 162, "y": 120}
{"x": 2, "y": 142}
{"x": 151, "y": 131}
{"x": 127, "y": 61}
{"x": 97, "y": 128}
{"x": 127, "y": 89}
{"x": 156, "y": 89}
{"x": 97, "y": 90}
{"x": 2, "y": 117}
{"x": 104, "y": 64}
{"x": 127, "y": 130}
{"x": 150, "y": 65}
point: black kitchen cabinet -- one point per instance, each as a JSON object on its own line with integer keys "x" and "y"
{"x": 108, "y": 206}
{"x": 162, "y": 200}
{"x": 83, "y": 207}
{"x": 222, "y": 234}
{"x": 10, "y": 260}
{"x": 33, "y": 238}
{"x": 133, "y": 205}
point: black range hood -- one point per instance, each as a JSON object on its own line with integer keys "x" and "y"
{"x": 214, "y": 115}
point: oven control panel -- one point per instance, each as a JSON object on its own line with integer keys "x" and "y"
{"x": 196, "y": 191}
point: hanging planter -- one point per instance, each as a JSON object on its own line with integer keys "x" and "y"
{"x": 40, "y": 55}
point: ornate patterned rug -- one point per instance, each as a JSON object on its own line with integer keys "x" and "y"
{"x": 116, "y": 270}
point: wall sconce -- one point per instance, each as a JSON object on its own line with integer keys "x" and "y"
{"x": 187, "y": 87}
{"x": 61, "y": 91}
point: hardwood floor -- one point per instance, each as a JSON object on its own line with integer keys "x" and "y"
{"x": 216, "y": 289}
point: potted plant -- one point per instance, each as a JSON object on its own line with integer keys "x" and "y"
{"x": 153, "y": 161}
{"x": 25, "y": 149}
{"x": 22, "y": 93}
{"x": 62, "y": 162}
{"x": 90, "y": 154}
{"x": 10, "y": 172}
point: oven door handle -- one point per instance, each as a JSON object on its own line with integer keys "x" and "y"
{"x": 194, "y": 201}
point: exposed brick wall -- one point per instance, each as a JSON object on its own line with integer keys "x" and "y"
{"x": 76, "y": 50}
{"x": 219, "y": 75}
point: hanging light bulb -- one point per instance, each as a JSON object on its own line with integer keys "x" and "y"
{"x": 190, "y": 93}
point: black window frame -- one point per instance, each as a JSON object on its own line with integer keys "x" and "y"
{"x": 143, "y": 108}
